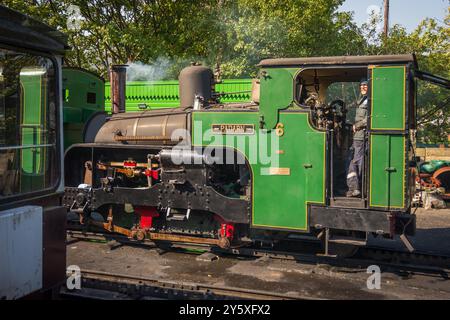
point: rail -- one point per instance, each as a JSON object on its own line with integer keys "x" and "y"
{"x": 426, "y": 263}
{"x": 144, "y": 287}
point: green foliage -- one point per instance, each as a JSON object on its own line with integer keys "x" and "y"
{"x": 112, "y": 31}
{"x": 251, "y": 30}
{"x": 234, "y": 35}
{"x": 431, "y": 44}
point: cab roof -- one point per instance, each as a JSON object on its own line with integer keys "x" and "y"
{"x": 340, "y": 60}
{"x": 19, "y": 30}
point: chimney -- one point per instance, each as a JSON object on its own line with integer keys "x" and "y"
{"x": 118, "y": 78}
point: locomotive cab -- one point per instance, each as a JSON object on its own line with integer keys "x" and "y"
{"x": 331, "y": 95}
{"x": 327, "y": 89}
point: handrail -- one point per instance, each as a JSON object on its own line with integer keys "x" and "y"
{"x": 28, "y": 146}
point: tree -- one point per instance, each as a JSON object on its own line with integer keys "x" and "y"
{"x": 431, "y": 44}
{"x": 234, "y": 35}
{"x": 111, "y": 31}
{"x": 251, "y": 30}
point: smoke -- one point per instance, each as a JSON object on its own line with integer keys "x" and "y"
{"x": 138, "y": 71}
{"x": 247, "y": 39}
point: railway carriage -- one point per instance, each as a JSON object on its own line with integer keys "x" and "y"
{"x": 32, "y": 219}
{"x": 232, "y": 174}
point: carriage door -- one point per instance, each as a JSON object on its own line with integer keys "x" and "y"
{"x": 387, "y": 137}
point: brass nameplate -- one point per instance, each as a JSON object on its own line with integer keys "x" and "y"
{"x": 233, "y": 128}
{"x": 280, "y": 171}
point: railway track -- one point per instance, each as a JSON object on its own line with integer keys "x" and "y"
{"x": 103, "y": 285}
{"x": 387, "y": 259}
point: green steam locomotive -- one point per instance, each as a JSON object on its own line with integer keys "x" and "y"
{"x": 259, "y": 172}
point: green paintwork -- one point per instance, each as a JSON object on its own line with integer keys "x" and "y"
{"x": 164, "y": 94}
{"x": 33, "y": 107}
{"x": 388, "y": 98}
{"x": 387, "y": 151}
{"x": 77, "y": 83}
{"x": 155, "y": 94}
{"x": 387, "y": 170}
{"x": 279, "y": 201}
{"x": 31, "y": 121}
{"x": 236, "y": 90}
{"x": 277, "y": 93}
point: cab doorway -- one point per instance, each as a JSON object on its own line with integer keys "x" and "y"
{"x": 337, "y": 105}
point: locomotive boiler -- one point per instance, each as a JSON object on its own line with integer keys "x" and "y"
{"x": 253, "y": 173}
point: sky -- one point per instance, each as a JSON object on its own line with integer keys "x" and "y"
{"x": 408, "y": 13}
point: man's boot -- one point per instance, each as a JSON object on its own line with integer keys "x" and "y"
{"x": 353, "y": 193}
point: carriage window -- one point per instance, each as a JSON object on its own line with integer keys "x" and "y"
{"x": 27, "y": 123}
{"x": 91, "y": 97}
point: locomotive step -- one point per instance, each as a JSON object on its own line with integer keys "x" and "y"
{"x": 176, "y": 217}
{"x": 348, "y": 241}
{"x": 173, "y": 215}
{"x": 346, "y": 202}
